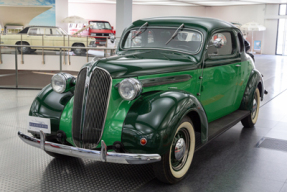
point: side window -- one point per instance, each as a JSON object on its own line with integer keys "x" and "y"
{"x": 32, "y": 31}
{"x": 55, "y": 32}
{"x": 241, "y": 44}
{"x": 227, "y": 44}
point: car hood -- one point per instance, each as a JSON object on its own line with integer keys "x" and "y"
{"x": 139, "y": 63}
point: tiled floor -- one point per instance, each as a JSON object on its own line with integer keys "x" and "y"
{"x": 231, "y": 162}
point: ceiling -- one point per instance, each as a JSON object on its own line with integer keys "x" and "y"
{"x": 188, "y": 2}
{"x": 20, "y": 15}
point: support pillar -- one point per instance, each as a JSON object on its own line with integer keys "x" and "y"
{"x": 123, "y": 16}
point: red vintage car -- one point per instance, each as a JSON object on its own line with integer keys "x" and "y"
{"x": 101, "y": 30}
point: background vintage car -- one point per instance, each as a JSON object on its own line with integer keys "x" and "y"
{"x": 175, "y": 84}
{"x": 46, "y": 36}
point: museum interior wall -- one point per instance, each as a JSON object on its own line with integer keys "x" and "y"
{"x": 239, "y": 14}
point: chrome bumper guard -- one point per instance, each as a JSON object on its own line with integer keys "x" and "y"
{"x": 103, "y": 155}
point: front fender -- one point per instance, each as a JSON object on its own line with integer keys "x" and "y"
{"x": 255, "y": 80}
{"x": 155, "y": 116}
{"x": 50, "y": 104}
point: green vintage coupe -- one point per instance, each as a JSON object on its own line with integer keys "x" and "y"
{"x": 174, "y": 84}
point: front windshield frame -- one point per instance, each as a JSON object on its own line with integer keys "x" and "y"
{"x": 125, "y": 36}
{"x": 104, "y": 22}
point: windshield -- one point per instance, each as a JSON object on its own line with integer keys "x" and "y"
{"x": 100, "y": 25}
{"x": 186, "y": 40}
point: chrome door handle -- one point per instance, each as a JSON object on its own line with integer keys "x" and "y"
{"x": 238, "y": 65}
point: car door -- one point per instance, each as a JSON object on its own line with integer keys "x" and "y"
{"x": 220, "y": 77}
{"x": 37, "y": 36}
{"x": 57, "y": 37}
{"x": 48, "y": 37}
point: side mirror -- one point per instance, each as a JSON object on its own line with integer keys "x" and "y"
{"x": 217, "y": 43}
{"x": 112, "y": 28}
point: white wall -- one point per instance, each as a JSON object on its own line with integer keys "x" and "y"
{"x": 240, "y": 14}
{"x": 94, "y": 11}
{"x": 61, "y": 13}
{"x": 108, "y": 11}
{"x": 145, "y": 11}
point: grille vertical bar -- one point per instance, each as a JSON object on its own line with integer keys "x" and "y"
{"x": 77, "y": 108}
{"x": 96, "y": 108}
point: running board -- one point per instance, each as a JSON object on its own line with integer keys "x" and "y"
{"x": 219, "y": 126}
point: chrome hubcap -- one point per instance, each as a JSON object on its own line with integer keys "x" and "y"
{"x": 179, "y": 149}
{"x": 254, "y": 108}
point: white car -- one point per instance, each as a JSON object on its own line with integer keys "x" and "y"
{"x": 46, "y": 36}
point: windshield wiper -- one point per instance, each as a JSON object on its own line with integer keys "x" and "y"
{"x": 175, "y": 33}
{"x": 139, "y": 30}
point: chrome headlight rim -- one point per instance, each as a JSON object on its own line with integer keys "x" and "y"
{"x": 137, "y": 86}
{"x": 66, "y": 78}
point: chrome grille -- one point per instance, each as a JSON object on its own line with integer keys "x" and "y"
{"x": 96, "y": 108}
{"x": 77, "y": 108}
{"x": 87, "y": 132}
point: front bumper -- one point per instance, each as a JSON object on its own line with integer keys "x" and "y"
{"x": 103, "y": 155}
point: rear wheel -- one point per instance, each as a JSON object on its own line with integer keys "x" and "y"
{"x": 251, "y": 119}
{"x": 79, "y": 51}
{"x": 24, "y": 50}
{"x": 176, "y": 162}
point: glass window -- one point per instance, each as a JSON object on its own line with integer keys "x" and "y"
{"x": 33, "y": 31}
{"x": 281, "y": 37}
{"x": 56, "y": 32}
{"x": 282, "y": 9}
{"x": 186, "y": 40}
{"x": 227, "y": 46}
{"x": 100, "y": 25}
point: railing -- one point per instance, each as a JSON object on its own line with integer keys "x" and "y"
{"x": 32, "y": 67}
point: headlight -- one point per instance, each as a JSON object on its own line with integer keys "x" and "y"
{"x": 112, "y": 37}
{"x": 130, "y": 89}
{"x": 62, "y": 82}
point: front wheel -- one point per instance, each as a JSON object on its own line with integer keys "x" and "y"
{"x": 251, "y": 119}
{"x": 79, "y": 51}
{"x": 176, "y": 162}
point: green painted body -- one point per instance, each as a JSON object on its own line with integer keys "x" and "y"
{"x": 155, "y": 114}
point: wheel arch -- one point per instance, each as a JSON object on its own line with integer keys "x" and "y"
{"x": 19, "y": 42}
{"x": 156, "y": 117}
{"x": 77, "y": 43}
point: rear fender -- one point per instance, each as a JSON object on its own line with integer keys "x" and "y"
{"x": 255, "y": 81}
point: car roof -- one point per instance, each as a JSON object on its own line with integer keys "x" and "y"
{"x": 41, "y": 26}
{"x": 208, "y": 24}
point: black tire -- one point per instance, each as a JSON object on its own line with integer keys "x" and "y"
{"x": 79, "y": 51}
{"x": 25, "y": 50}
{"x": 57, "y": 155}
{"x": 250, "y": 120}
{"x": 170, "y": 169}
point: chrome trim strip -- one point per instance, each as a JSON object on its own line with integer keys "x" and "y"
{"x": 85, "y": 98}
{"x": 165, "y": 80}
{"x": 110, "y": 157}
{"x": 186, "y": 52}
{"x": 87, "y": 68}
